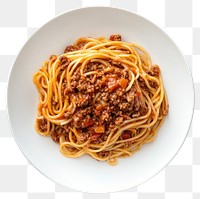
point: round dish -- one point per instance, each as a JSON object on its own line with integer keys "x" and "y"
{"x": 85, "y": 173}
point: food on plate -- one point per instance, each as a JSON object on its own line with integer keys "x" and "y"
{"x": 101, "y": 97}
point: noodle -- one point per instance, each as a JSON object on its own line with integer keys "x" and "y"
{"x": 102, "y": 97}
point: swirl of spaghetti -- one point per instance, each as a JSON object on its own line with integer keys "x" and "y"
{"x": 101, "y": 97}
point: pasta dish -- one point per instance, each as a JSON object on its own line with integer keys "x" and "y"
{"x": 101, "y": 97}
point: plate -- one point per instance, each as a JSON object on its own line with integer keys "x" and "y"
{"x": 86, "y": 174}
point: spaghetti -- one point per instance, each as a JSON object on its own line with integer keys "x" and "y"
{"x": 102, "y": 97}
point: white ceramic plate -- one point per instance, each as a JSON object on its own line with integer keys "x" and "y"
{"x": 85, "y": 173}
